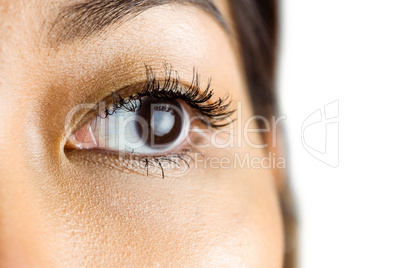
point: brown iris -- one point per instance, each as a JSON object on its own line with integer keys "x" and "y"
{"x": 163, "y": 120}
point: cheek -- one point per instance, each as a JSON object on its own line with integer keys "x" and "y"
{"x": 218, "y": 217}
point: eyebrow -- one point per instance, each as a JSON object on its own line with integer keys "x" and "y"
{"x": 84, "y": 19}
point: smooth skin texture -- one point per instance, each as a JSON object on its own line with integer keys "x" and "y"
{"x": 75, "y": 209}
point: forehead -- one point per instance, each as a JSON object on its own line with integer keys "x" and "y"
{"x": 36, "y": 22}
{"x": 184, "y": 35}
{"x": 30, "y": 26}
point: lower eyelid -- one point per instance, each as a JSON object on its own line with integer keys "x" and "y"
{"x": 172, "y": 165}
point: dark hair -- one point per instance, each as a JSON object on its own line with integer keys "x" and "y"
{"x": 257, "y": 30}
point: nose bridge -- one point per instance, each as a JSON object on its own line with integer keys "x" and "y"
{"x": 22, "y": 228}
{"x": 14, "y": 234}
{"x": 17, "y": 220}
{"x": 20, "y": 224}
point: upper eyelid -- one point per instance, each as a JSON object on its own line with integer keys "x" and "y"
{"x": 171, "y": 86}
{"x": 169, "y": 81}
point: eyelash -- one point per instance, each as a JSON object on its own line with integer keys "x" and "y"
{"x": 171, "y": 89}
{"x": 212, "y": 114}
{"x": 158, "y": 161}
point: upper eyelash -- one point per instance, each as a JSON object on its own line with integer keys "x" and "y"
{"x": 170, "y": 88}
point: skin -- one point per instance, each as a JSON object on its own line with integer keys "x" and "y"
{"x": 73, "y": 209}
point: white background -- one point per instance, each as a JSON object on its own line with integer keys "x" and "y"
{"x": 351, "y": 51}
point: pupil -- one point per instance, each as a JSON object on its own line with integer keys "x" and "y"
{"x": 163, "y": 121}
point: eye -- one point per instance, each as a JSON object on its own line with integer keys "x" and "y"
{"x": 163, "y": 121}
{"x": 157, "y": 126}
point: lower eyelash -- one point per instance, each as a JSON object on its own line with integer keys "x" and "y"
{"x": 177, "y": 160}
{"x": 155, "y": 165}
